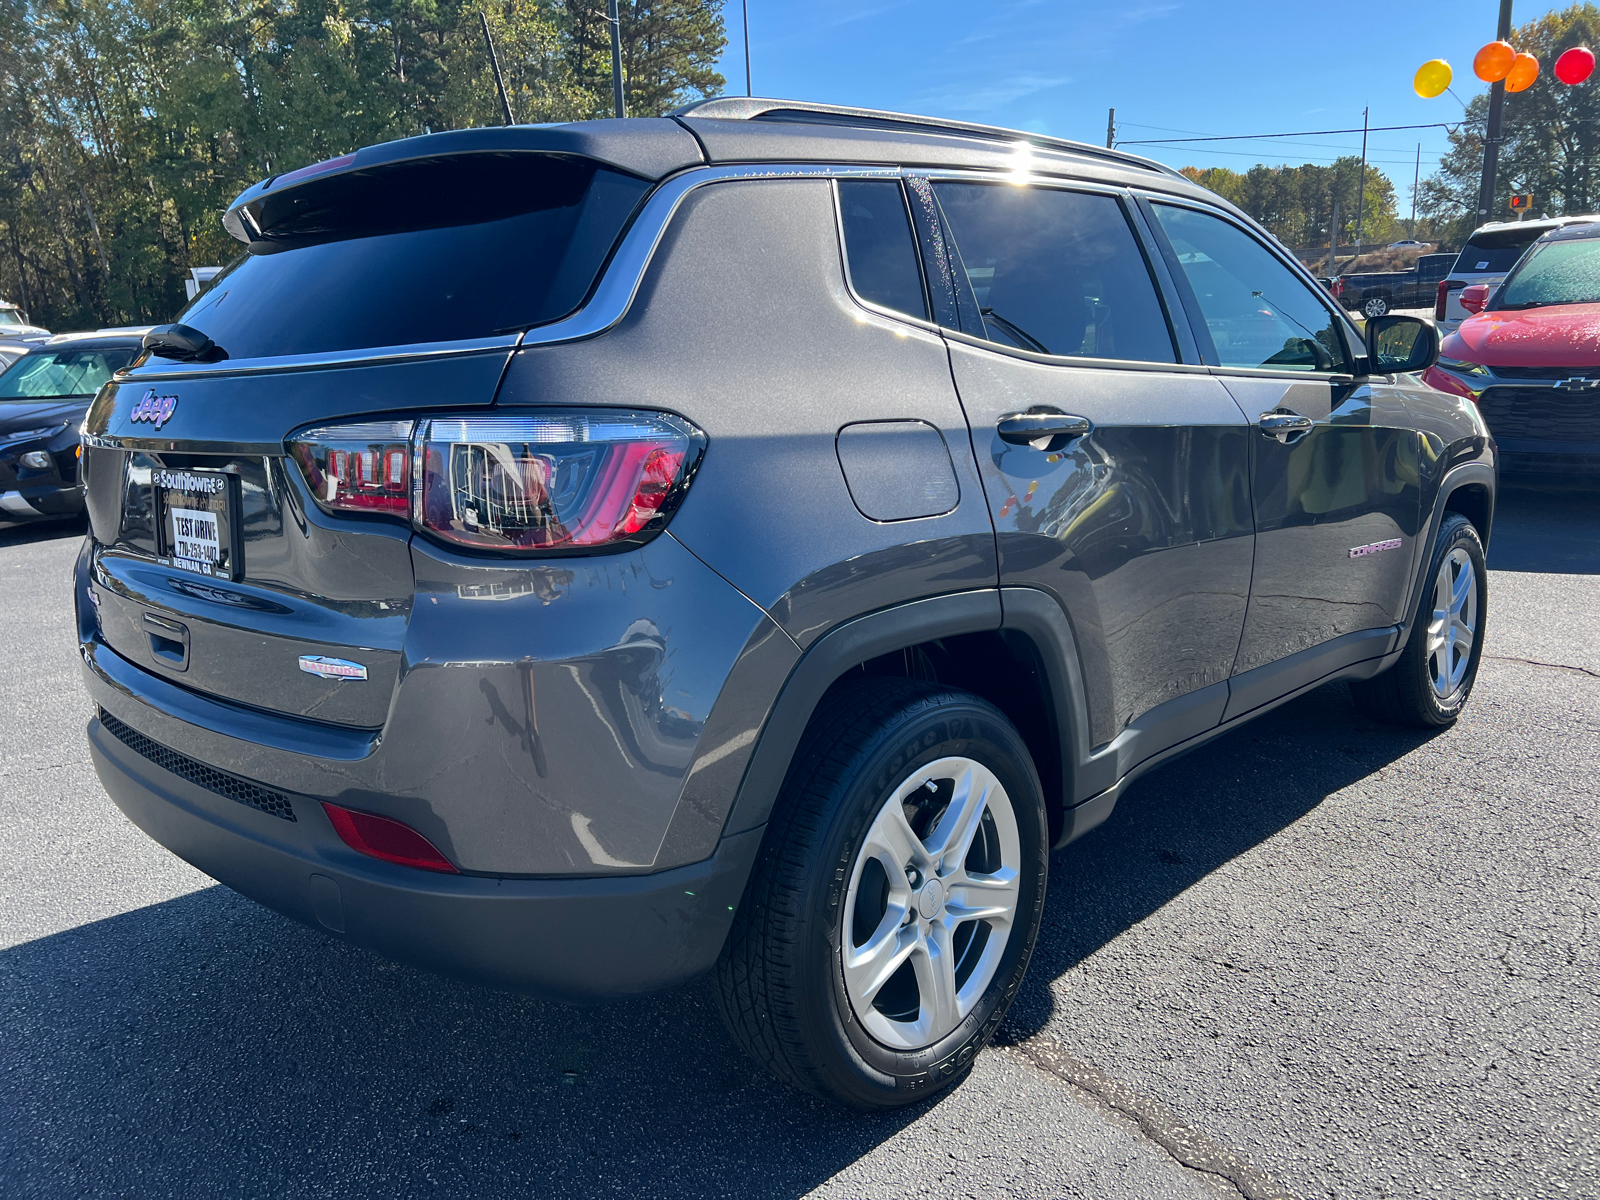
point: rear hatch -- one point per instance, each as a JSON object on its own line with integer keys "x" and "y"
{"x": 366, "y": 297}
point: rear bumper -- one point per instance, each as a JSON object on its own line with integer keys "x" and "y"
{"x": 570, "y": 939}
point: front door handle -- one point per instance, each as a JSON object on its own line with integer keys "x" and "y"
{"x": 1287, "y": 427}
{"x": 1042, "y": 428}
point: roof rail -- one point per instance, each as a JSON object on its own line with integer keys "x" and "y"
{"x": 756, "y": 108}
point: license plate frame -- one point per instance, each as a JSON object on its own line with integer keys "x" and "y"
{"x": 197, "y": 521}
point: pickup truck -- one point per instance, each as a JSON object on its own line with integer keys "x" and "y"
{"x": 1373, "y": 293}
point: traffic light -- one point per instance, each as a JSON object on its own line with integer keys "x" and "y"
{"x": 1521, "y": 202}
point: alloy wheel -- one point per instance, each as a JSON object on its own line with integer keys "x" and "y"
{"x": 1454, "y": 628}
{"x": 932, "y": 901}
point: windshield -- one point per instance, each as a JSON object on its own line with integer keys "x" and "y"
{"x": 61, "y": 374}
{"x": 1566, "y": 272}
{"x": 10, "y": 316}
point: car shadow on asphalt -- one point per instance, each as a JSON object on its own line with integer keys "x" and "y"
{"x": 1188, "y": 818}
{"x": 205, "y": 1045}
{"x": 1555, "y": 532}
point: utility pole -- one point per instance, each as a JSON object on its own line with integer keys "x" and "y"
{"x": 616, "y": 58}
{"x": 748, "y": 86}
{"x": 1111, "y": 129}
{"x": 1361, "y": 193}
{"x": 1416, "y": 182}
{"x": 1491, "y": 136}
{"x": 1333, "y": 239}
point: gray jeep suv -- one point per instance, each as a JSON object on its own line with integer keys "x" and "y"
{"x": 577, "y": 558}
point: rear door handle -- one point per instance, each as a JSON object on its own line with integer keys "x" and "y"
{"x": 1287, "y": 427}
{"x": 1042, "y": 428}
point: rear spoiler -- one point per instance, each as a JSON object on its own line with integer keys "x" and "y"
{"x": 648, "y": 147}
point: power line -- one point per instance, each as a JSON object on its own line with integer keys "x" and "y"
{"x": 1252, "y": 137}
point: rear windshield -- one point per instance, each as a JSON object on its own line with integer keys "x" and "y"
{"x": 1496, "y": 252}
{"x": 428, "y": 251}
{"x": 10, "y": 316}
{"x": 61, "y": 374}
{"x": 1560, "y": 272}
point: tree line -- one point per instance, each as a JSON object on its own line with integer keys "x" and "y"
{"x": 127, "y": 126}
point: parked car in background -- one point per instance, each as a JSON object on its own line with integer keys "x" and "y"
{"x": 43, "y": 397}
{"x": 15, "y": 327}
{"x": 580, "y": 557}
{"x": 1490, "y": 252}
{"x": 11, "y": 351}
{"x": 1374, "y": 293}
{"x": 1529, "y": 355}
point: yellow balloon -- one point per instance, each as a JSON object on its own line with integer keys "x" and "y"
{"x": 1432, "y": 78}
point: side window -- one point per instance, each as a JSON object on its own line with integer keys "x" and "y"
{"x": 1056, "y": 272}
{"x": 879, "y": 245}
{"x": 1258, "y": 312}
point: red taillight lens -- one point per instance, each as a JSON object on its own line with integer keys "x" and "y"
{"x": 389, "y": 840}
{"x": 357, "y": 468}
{"x": 1440, "y": 295}
{"x": 561, "y": 479}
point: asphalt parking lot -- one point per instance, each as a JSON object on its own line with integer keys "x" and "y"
{"x": 1319, "y": 958}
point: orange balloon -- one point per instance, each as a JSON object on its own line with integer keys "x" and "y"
{"x": 1524, "y": 70}
{"x": 1492, "y": 62}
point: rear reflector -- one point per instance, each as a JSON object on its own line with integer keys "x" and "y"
{"x": 389, "y": 840}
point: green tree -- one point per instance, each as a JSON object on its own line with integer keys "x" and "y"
{"x": 1296, "y": 203}
{"x": 1550, "y": 135}
{"x": 127, "y": 126}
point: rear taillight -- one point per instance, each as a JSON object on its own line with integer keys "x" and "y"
{"x": 357, "y": 468}
{"x": 1440, "y": 296}
{"x": 551, "y": 481}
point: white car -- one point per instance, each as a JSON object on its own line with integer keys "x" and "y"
{"x": 1488, "y": 256}
{"x": 14, "y": 326}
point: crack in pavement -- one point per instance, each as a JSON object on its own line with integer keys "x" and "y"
{"x": 1533, "y": 662}
{"x": 1187, "y": 1146}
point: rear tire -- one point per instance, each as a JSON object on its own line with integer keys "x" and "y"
{"x": 893, "y": 909}
{"x": 1429, "y": 685}
{"x": 1374, "y": 306}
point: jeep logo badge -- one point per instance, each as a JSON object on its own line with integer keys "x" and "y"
{"x": 156, "y": 409}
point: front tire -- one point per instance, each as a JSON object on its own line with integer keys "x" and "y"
{"x": 1375, "y": 306}
{"x": 1429, "y": 685}
{"x": 893, "y": 910}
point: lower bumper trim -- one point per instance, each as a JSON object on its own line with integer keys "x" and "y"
{"x": 580, "y": 940}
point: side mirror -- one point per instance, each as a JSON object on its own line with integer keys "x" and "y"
{"x": 1401, "y": 345}
{"x": 1475, "y": 297}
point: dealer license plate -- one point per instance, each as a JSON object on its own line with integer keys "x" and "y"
{"x": 196, "y": 516}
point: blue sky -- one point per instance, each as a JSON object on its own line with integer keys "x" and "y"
{"x": 1201, "y": 66}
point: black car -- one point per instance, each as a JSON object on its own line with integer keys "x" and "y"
{"x": 44, "y": 394}
{"x": 584, "y": 557}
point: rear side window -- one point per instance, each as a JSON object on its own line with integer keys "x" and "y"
{"x": 1258, "y": 313}
{"x": 879, "y": 245}
{"x": 1496, "y": 252}
{"x": 1056, "y": 272}
{"x": 431, "y": 251}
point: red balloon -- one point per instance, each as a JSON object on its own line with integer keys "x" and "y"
{"x": 1575, "y": 65}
